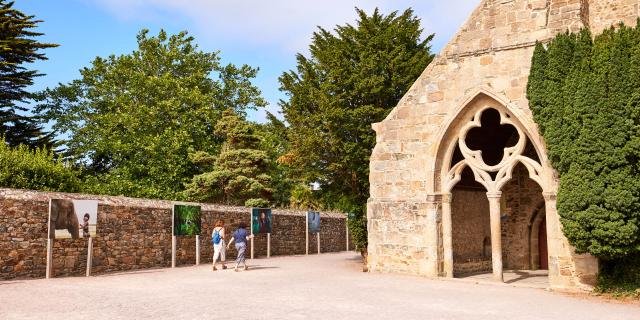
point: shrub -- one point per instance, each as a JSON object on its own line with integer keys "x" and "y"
{"x": 22, "y": 168}
{"x": 584, "y": 93}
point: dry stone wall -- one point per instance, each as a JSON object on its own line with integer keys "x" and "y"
{"x": 135, "y": 234}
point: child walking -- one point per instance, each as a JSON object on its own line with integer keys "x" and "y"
{"x": 241, "y": 236}
{"x": 217, "y": 238}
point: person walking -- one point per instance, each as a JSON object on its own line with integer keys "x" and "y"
{"x": 240, "y": 236}
{"x": 217, "y": 238}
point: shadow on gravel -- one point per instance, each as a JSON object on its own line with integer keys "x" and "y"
{"x": 130, "y": 273}
{"x": 251, "y": 268}
{"x": 525, "y": 275}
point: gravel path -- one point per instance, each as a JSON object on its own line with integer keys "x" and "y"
{"x": 328, "y": 286}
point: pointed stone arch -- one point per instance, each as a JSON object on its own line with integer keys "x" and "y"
{"x": 452, "y": 138}
{"x": 466, "y": 117}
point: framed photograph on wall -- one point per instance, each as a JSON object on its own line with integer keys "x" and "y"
{"x": 313, "y": 221}
{"x": 186, "y": 220}
{"x": 73, "y": 219}
{"x": 261, "y": 220}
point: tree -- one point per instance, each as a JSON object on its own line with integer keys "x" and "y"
{"x": 273, "y": 140}
{"x": 585, "y": 96}
{"x": 239, "y": 174}
{"x": 354, "y": 76}
{"x": 18, "y": 47}
{"x": 132, "y": 120}
{"x": 23, "y": 168}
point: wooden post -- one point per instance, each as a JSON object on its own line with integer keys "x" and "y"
{"x": 197, "y": 249}
{"x": 346, "y": 223}
{"x": 173, "y": 236}
{"x": 49, "y": 246}
{"x": 318, "y": 240}
{"x": 89, "y": 255}
{"x": 173, "y": 251}
{"x": 306, "y": 227}
{"x": 49, "y": 258}
{"x": 252, "y": 235}
{"x": 268, "y": 245}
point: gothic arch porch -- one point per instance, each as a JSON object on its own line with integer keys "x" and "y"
{"x": 488, "y": 147}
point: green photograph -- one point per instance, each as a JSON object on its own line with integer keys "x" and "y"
{"x": 261, "y": 221}
{"x": 186, "y": 220}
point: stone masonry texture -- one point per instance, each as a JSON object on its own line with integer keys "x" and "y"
{"x": 135, "y": 234}
{"x": 486, "y": 62}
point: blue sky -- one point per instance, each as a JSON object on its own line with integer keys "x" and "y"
{"x": 265, "y": 34}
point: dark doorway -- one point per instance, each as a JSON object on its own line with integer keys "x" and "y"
{"x": 542, "y": 245}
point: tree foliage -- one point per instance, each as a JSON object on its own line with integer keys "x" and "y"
{"x": 17, "y": 48}
{"x": 132, "y": 120}
{"x": 353, "y": 77}
{"x": 239, "y": 174}
{"x": 585, "y": 96}
{"x": 273, "y": 140}
{"x": 23, "y": 168}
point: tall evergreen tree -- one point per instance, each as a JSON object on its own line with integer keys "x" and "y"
{"x": 239, "y": 174}
{"x": 353, "y": 77}
{"x": 585, "y": 95}
{"x": 18, "y": 47}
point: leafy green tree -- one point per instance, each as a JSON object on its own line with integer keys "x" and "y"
{"x": 585, "y": 96}
{"x": 353, "y": 77}
{"x": 239, "y": 174}
{"x": 132, "y": 120}
{"x": 17, "y": 48}
{"x": 23, "y": 168}
{"x": 273, "y": 137}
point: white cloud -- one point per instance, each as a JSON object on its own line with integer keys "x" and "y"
{"x": 274, "y": 29}
{"x": 283, "y": 24}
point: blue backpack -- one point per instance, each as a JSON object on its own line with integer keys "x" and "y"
{"x": 216, "y": 237}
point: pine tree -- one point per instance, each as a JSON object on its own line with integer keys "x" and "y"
{"x": 239, "y": 174}
{"x": 17, "y": 47}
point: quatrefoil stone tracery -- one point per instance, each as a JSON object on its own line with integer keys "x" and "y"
{"x": 481, "y": 170}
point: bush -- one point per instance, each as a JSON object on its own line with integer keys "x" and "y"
{"x": 358, "y": 232}
{"x": 584, "y": 93}
{"x": 21, "y": 168}
{"x": 620, "y": 277}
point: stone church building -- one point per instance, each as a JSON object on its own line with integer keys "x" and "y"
{"x": 460, "y": 180}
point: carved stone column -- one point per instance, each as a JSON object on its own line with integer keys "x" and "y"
{"x": 496, "y": 234}
{"x": 433, "y": 245}
{"x": 447, "y": 235}
{"x": 553, "y": 238}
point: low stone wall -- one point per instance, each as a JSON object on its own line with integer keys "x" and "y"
{"x": 472, "y": 266}
{"x": 136, "y": 234}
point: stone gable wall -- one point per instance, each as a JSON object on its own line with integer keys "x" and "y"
{"x": 490, "y": 55}
{"x": 604, "y": 13}
{"x": 135, "y": 234}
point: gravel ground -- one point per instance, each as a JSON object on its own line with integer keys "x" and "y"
{"x": 327, "y": 286}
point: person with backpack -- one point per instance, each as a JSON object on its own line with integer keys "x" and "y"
{"x": 217, "y": 239}
{"x": 241, "y": 236}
